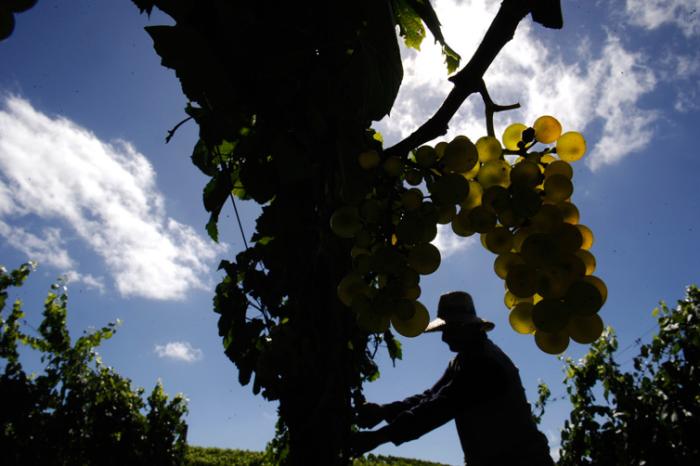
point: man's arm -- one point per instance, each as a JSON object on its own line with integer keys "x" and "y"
{"x": 371, "y": 414}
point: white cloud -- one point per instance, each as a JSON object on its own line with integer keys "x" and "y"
{"x": 178, "y": 350}
{"x": 89, "y": 280}
{"x": 651, "y": 14}
{"x": 106, "y": 193}
{"x": 602, "y": 87}
{"x": 45, "y": 249}
{"x": 449, "y": 243}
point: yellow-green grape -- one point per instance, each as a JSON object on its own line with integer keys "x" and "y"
{"x": 451, "y": 188}
{"x": 412, "y": 199}
{"x": 345, "y": 222}
{"x": 548, "y": 217}
{"x": 424, "y": 258}
{"x": 552, "y": 281}
{"x": 481, "y": 219}
{"x": 520, "y": 236}
{"x": 550, "y": 315}
{"x": 539, "y": 249}
{"x": 415, "y": 325}
{"x": 552, "y": 343}
{"x": 369, "y": 159}
{"x": 426, "y": 156}
{"x": 559, "y": 167}
{"x": 569, "y": 212}
{"x": 558, "y": 188}
{"x": 414, "y": 177}
{"x": 520, "y": 318}
{"x": 510, "y": 300}
{"x": 476, "y": 192}
{"x": 571, "y": 146}
{"x": 461, "y": 225}
{"x": 567, "y": 237}
{"x": 546, "y": 159}
{"x": 386, "y": 259}
{"x": 509, "y": 218}
{"x": 446, "y": 213}
{"x": 408, "y": 277}
{"x": 499, "y": 240}
{"x": 599, "y": 284}
{"x": 412, "y": 292}
{"x": 372, "y": 321}
{"x": 473, "y": 173}
{"x": 460, "y": 156}
{"x": 415, "y": 228}
{"x": 489, "y": 149}
{"x": 496, "y": 172}
{"x": 588, "y": 259}
{"x": 572, "y": 266}
{"x": 585, "y": 329}
{"x": 526, "y": 202}
{"x": 404, "y": 308}
{"x": 440, "y": 149}
{"x": 521, "y": 280}
{"x": 587, "y": 235}
{"x": 496, "y": 198}
{"x": 583, "y": 298}
{"x": 513, "y": 135}
{"x": 350, "y": 286}
{"x": 525, "y": 174}
{"x": 504, "y": 262}
{"x": 393, "y": 166}
{"x": 547, "y": 129}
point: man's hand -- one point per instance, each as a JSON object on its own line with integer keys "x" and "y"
{"x": 369, "y": 415}
{"x": 362, "y": 442}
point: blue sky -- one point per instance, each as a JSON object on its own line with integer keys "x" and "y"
{"x": 89, "y": 189}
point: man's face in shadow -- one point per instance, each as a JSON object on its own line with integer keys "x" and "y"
{"x": 462, "y": 337}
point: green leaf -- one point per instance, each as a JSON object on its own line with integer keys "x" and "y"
{"x": 202, "y": 159}
{"x": 425, "y": 11}
{"x": 410, "y": 24}
{"x": 215, "y": 194}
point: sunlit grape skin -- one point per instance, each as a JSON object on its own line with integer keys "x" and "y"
{"x": 547, "y": 129}
{"x": 571, "y": 146}
{"x": 513, "y": 135}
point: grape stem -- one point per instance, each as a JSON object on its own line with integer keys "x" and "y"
{"x": 469, "y": 80}
{"x": 490, "y": 108}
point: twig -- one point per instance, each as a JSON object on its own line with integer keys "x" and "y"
{"x": 171, "y": 133}
{"x": 491, "y": 108}
{"x": 469, "y": 79}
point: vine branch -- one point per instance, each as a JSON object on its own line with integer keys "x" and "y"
{"x": 470, "y": 79}
{"x": 491, "y": 108}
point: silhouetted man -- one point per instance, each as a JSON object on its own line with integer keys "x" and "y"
{"x": 481, "y": 390}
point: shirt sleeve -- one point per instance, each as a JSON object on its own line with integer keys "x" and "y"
{"x": 392, "y": 410}
{"x": 462, "y": 387}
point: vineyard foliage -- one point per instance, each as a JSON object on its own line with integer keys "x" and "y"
{"x": 203, "y": 456}
{"x": 76, "y": 410}
{"x": 648, "y": 415}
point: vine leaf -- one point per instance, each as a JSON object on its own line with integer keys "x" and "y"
{"x": 215, "y": 194}
{"x": 424, "y": 10}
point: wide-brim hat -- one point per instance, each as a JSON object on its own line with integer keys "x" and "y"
{"x": 457, "y": 308}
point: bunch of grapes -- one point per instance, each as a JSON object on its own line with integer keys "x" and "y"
{"x": 525, "y": 215}
{"x": 521, "y": 208}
